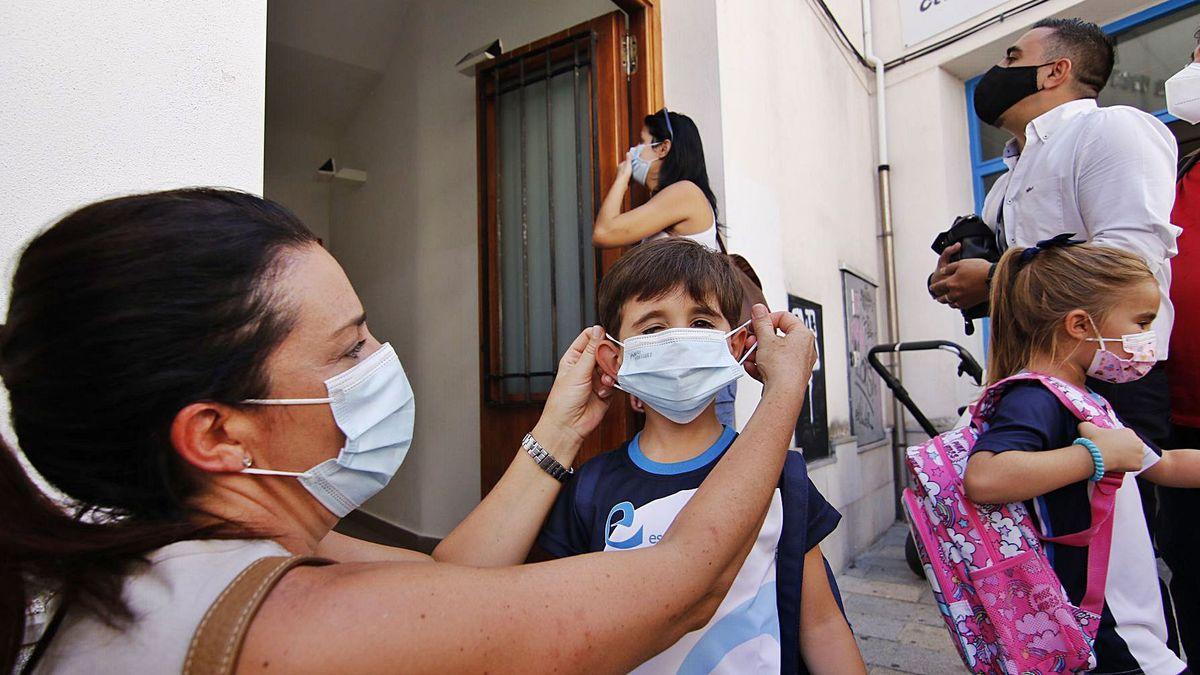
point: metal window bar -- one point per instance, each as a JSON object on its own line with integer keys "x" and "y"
{"x": 550, "y": 214}
{"x": 577, "y": 63}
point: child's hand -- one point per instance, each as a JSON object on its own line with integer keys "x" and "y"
{"x": 1122, "y": 449}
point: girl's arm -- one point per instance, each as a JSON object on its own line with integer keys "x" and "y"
{"x": 595, "y": 612}
{"x": 1014, "y": 476}
{"x": 668, "y": 207}
{"x": 826, "y": 643}
{"x": 1176, "y": 468}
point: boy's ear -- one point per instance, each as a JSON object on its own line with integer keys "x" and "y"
{"x": 608, "y": 357}
{"x": 737, "y": 343}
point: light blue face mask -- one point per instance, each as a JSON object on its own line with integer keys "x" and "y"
{"x": 641, "y": 167}
{"x": 679, "y": 371}
{"x": 374, "y": 407}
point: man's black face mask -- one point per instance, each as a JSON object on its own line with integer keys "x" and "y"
{"x": 1002, "y": 88}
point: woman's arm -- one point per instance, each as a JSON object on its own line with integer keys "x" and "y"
{"x": 342, "y": 548}
{"x": 502, "y": 529}
{"x": 673, "y": 205}
{"x": 826, "y": 643}
{"x": 596, "y": 612}
{"x": 1176, "y": 468}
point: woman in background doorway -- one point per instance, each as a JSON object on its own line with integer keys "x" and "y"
{"x": 669, "y": 162}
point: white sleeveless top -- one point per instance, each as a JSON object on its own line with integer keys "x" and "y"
{"x": 707, "y": 237}
{"x": 168, "y": 599}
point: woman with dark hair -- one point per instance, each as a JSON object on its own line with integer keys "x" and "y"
{"x": 670, "y": 163}
{"x": 193, "y": 374}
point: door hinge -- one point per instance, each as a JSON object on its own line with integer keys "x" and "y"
{"x": 629, "y": 54}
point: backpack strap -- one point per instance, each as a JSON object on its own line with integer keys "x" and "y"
{"x": 218, "y": 639}
{"x": 1098, "y": 536}
{"x": 789, "y": 558}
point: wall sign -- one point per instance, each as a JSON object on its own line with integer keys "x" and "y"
{"x": 922, "y": 19}
{"x": 812, "y": 428}
{"x": 862, "y": 333}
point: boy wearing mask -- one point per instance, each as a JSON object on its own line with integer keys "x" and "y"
{"x": 670, "y": 309}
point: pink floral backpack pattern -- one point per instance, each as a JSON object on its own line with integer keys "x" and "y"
{"x": 1006, "y": 610}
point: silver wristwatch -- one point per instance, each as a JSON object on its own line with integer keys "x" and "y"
{"x": 545, "y": 460}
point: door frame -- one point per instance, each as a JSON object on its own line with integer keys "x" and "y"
{"x": 644, "y": 96}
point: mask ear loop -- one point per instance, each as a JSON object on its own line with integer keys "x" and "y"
{"x": 749, "y": 351}
{"x": 271, "y": 472}
{"x": 1099, "y": 336}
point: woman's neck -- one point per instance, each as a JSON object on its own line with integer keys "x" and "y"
{"x": 270, "y": 507}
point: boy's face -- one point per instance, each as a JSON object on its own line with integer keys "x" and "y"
{"x": 676, "y": 309}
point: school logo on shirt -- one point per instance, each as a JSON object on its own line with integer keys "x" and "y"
{"x": 624, "y": 513}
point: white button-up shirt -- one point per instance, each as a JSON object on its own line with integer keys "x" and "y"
{"x": 1104, "y": 174}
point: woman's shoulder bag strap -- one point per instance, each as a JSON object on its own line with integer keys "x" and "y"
{"x": 218, "y": 639}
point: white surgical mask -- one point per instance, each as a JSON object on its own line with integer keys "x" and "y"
{"x": 1108, "y": 366}
{"x": 679, "y": 371}
{"x": 641, "y": 167}
{"x": 1183, "y": 94}
{"x": 374, "y": 407}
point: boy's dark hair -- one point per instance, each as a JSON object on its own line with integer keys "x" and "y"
{"x": 656, "y": 268}
{"x": 1090, "y": 49}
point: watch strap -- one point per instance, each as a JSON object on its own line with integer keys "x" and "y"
{"x": 545, "y": 460}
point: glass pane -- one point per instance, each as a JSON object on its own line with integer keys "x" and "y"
{"x": 991, "y": 140}
{"x": 1147, "y": 56}
{"x": 548, "y": 266}
{"x": 990, "y": 180}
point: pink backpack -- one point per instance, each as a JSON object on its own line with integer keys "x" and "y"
{"x": 1004, "y": 606}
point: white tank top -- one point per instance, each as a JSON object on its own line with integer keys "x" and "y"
{"x": 168, "y": 599}
{"x": 707, "y": 237}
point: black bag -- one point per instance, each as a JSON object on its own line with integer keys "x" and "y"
{"x": 978, "y": 241}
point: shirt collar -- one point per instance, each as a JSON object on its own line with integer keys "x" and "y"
{"x": 1045, "y": 125}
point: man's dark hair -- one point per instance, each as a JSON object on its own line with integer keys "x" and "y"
{"x": 657, "y": 268}
{"x": 1091, "y": 50}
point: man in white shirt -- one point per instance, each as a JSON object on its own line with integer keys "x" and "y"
{"x": 1106, "y": 175}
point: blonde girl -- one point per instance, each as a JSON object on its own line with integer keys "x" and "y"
{"x": 1072, "y": 310}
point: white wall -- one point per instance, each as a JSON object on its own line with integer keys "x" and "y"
{"x": 691, "y": 75}
{"x": 408, "y": 238}
{"x": 799, "y": 153}
{"x": 290, "y": 175}
{"x": 796, "y": 118}
{"x": 108, "y": 98}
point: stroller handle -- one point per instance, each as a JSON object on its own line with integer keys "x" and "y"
{"x": 966, "y": 365}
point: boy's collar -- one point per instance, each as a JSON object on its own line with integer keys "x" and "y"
{"x": 709, "y": 455}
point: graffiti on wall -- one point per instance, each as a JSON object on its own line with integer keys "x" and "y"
{"x": 862, "y": 333}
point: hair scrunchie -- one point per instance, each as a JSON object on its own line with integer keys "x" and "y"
{"x": 1058, "y": 241}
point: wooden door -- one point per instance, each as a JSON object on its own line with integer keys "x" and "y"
{"x": 553, "y": 122}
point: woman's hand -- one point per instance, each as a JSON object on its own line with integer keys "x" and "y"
{"x": 578, "y": 399}
{"x": 780, "y": 359}
{"x": 624, "y": 171}
{"x": 1122, "y": 449}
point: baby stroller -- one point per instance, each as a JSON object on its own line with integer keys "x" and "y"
{"x": 966, "y": 365}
